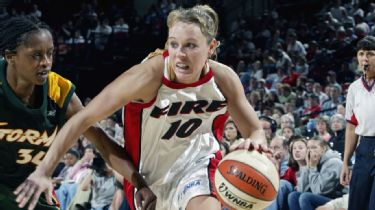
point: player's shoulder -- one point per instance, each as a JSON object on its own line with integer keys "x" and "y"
{"x": 356, "y": 84}
{"x": 222, "y": 73}
{"x": 153, "y": 65}
{"x": 219, "y": 68}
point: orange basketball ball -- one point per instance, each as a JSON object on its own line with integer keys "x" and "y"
{"x": 246, "y": 180}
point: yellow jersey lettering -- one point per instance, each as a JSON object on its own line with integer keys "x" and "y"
{"x": 47, "y": 140}
{"x": 38, "y": 158}
{"x": 33, "y": 137}
{"x": 4, "y": 132}
{"x": 16, "y": 134}
{"x": 30, "y": 135}
{"x": 24, "y": 155}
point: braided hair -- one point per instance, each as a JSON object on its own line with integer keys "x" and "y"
{"x": 15, "y": 31}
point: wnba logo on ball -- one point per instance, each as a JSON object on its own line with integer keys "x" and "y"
{"x": 234, "y": 199}
{"x": 246, "y": 180}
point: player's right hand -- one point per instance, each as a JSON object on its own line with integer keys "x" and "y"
{"x": 146, "y": 199}
{"x": 346, "y": 175}
{"x": 31, "y": 189}
{"x": 249, "y": 144}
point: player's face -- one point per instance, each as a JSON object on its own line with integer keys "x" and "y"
{"x": 188, "y": 51}
{"x": 32, "y": 61}
{"x": 363, "y": 57}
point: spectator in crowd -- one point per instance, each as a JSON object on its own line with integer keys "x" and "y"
{"x": 294, "y": 47}
{"x": 341, "y": 109}
{"x": 317, "y": 89}
{"x": 231, "y": 133}
{"x": 100, "y": 35}
{"x": 337, "y": 125}
{"x": 287, "y": 132}
{"x": 335, "y": 98}
{"x": 35, "y": 11}
{"x": 102, "y": 183}
{"x": 67, "y": 191}
{"x": 269, "y": 126}
{"x": 286, "y": 120}
{"x": 323, "y": 128}
{"x": 70, "y": 159}
{"x": 317, "y": 182}
{"x": 279, "y": 147}
{"x": 313, "y": 109}
{"x": 301, "y": 67}
{"x": 297, "y": 159}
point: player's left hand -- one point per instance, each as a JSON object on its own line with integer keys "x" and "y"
{"x": 31, "y": 189}
{"x": 146, "y": 199}
{"x": 250, "y": 145}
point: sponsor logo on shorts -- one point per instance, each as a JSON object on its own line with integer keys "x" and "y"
{"x": 188, "y": 187}
{"x": 234, "y": 199}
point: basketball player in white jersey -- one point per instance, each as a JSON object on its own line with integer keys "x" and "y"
{"x": 176, "y": 103}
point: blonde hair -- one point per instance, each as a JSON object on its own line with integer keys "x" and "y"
{"x": 202, "y": 15}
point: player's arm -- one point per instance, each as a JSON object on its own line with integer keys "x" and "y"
{"x": 141, "y": 82}
{"x": 111, "y": 152}
{"x": 239, "y": 108}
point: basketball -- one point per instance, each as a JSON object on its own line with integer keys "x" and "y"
{"x": 246, "y": 180}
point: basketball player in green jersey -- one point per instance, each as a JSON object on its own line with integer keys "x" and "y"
{"x": 34, "y": 104}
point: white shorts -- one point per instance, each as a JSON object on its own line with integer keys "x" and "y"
{"x": 197, "y": 180}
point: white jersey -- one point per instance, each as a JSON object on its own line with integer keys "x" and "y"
{"x": 360, "y": 103}
{"x": 174, "y": 136}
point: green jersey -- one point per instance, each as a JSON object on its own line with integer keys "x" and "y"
{"x": 27, "y": 133}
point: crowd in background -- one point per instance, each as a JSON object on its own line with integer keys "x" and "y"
{"x": 295, "y": 73}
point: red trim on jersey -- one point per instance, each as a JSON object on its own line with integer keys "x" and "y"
{"x": 214, "y": 162}
{"x": 142, "y": 105}
{"x": 218, "y": 125}
{"x": 353, "y": 120}
{"x": 132, "y": 134}
{"x": 174, "y": 85}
